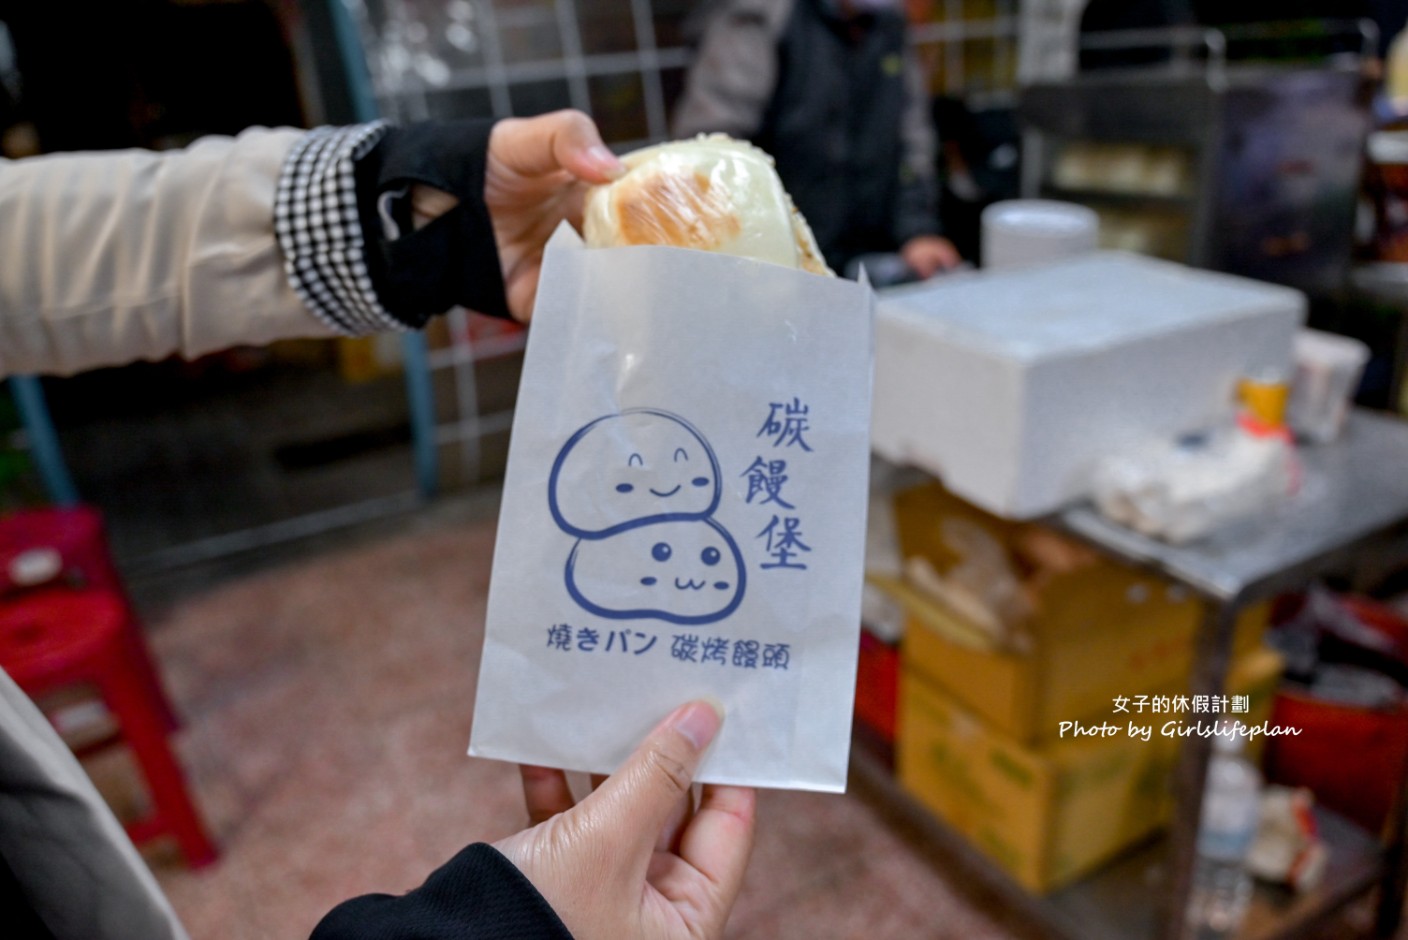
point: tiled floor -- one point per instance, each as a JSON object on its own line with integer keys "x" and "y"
{"x": 327, "y": 707}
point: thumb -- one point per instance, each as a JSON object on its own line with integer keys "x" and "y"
{"x": 561, "y": 140}
{"x": 640, "y": 797}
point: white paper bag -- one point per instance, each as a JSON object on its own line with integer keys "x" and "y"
{"x": 683, "y": 515}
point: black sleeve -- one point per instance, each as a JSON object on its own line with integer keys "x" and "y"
{"x": 477, "y": 895}
{"x": 361, "y": 273}
{"x": 454, "y": 260}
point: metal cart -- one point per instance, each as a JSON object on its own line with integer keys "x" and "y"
{"x": 1353, "y": 505}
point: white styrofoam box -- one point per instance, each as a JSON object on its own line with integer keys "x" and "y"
{"x": 1011, "y": 385}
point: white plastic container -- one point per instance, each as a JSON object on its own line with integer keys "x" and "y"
{"x": 1012, "y": 385}
{"x": 1327, "y": 371}
{"x": 1019, "y": 232}
{"x": 1222, "y": 884}
{"x": 1180, "y": 491}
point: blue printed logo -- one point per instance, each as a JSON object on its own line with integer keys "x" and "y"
{"x": 638, "y": 490}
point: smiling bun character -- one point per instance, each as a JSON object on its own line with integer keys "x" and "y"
{"x": 686, "y": 572}
{"x": 635, "y": 468}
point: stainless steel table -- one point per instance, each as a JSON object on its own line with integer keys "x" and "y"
{"x": 1352, "y": 505}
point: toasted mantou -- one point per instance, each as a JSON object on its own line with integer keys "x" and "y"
{"x": 711, "y": 193}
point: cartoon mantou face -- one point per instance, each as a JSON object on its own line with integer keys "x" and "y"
{"x": 687, "y": 572}
{"x": 634, "y": 468}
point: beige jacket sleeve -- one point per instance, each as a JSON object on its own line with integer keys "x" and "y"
{"x": 110, "y": 257}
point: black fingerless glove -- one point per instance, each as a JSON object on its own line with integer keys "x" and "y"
{"x": 454, "y": 259}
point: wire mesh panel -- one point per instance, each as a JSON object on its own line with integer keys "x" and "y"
{"x": 453, "y": 58}
{"x": 468, "y": 58}
{"x": 968, "y": 48}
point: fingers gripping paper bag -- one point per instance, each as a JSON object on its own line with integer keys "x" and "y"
{"x": 684, "y": 506}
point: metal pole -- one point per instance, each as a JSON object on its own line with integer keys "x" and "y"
{"x": 43, "y": 440}
{"x": 419, "y": 392}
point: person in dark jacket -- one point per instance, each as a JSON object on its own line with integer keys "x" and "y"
{"x": 830, "y": 90}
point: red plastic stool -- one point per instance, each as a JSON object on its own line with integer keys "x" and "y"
{"x": 75, "y": 533}
{"x": 67, "y": 545}
{"x": 56, "y": 638}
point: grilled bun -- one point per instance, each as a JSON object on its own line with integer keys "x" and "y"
{"x": 712, "y": 193}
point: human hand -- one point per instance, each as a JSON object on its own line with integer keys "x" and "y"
{"x": 633, "y": 859}
{"x": 927, "y": 255}
{"x": 537, "y": 173}
{"x": 531, "y": 174}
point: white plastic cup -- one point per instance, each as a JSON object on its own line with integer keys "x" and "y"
{"x": 1020, "y": 232}
{"x": 1328, "y": 370}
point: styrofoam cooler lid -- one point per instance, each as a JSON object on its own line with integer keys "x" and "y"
{"x": 1076, "y": 305}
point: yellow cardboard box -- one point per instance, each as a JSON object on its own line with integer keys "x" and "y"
{"x": 1053, "y": 812}
{"x": 1096, "y": 629}
{"x": 1132, "y": 641}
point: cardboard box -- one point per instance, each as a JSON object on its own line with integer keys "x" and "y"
{"x": 1049, "y": 814}
{"x": 1137, "y": 639}
{"x": 1097, "y": 629}
{"x": 1012, "y": 384}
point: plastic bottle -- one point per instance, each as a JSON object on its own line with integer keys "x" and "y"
{"x": 1222, "y": 886}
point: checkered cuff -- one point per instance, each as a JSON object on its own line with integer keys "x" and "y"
{"x": 320, "y": 232}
